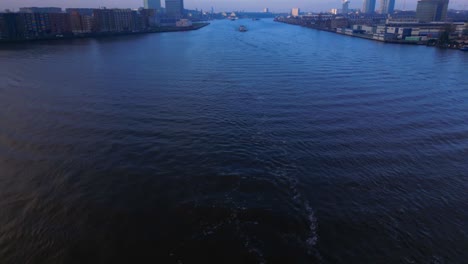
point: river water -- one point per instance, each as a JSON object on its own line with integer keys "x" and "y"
{"x": 278, "y": 145}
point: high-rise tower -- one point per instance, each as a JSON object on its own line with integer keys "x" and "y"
{"x": 345, "y": 7}
{"x": 369, "y": 6}
{"x": 295, "y": 12}
{"x": 152, "y": 4}
{"x": 175, "y": 8}
{"x": 387, "y": 6}
{"x": 432, "y": 10}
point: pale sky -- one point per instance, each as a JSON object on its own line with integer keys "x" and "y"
{"x": 221, "y": 5}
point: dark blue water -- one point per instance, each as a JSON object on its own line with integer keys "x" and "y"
{"x": 278, "y": 145}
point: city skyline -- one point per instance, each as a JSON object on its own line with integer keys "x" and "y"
{"x": 221, "y": 5}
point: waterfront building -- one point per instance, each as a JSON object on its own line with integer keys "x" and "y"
{"x": 124, "y": 20}
{"x": 40, "y": 10}
{"x": 174, "y": 8}
{"x": 340, "y": 22}
{"x": 59, "y": 24}
{"x": 266, "y": 10}
{"x": 295, "y": 12}
{"x": 152, "y": 4}
{"x": 26, "y": 25}
{"x": 81, "y": 19}
{"x": 404, "y": 30}
{"x": 184, "y": 23}
{"x": 368, "y": 6}
{"x": 403, "y": 15}
{"x": 8, "y": 26}
{"x": 461, "y": 28}
{"x": 114, "y": 20}
{"x": 387, "y": 6}
{"x": 149, "y": 18}
{"x": 76, "y": 22}
{"x": 87, "y": 23}
{"x": 33, "y": 25}
{"x": 409, "y": 20}
{"x": 423, "y": 30}
{"x": 103, "y": 20}
{"x": 432, "y": 10}
{"x": 3, "y": 27}
{"x": 368, "y": 29}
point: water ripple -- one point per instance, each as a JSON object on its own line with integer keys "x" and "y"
{"x": 282, "y": 144}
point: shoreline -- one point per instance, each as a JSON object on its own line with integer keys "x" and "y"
{"x": 368, "y": 37}
{"x": 362, "y": 36}
{"x": 162, "y": 29}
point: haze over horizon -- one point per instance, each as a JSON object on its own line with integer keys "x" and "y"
{"x": 220, "y": 5}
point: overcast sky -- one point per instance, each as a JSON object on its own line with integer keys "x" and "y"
{"x": 220, "y": 5}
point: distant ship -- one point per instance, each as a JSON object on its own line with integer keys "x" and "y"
{"x": 255, "y": 19}
{"x": 464, "y": 48}
{"x": 242, "y": 29}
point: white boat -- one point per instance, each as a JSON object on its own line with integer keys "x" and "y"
{"x": 242, "y": 29}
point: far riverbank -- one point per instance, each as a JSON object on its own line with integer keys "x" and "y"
{"x": 161, "y": 29}
{"x": 455, "y": 44}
